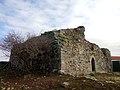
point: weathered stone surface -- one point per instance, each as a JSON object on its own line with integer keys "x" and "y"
{"x": 64, "y": 84}
{"x": 90, "y": 77}
{"x": 64, "y": 50}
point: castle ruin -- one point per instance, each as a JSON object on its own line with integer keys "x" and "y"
{"x": 65, "y": 51}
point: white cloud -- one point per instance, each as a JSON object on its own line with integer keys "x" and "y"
{"x": 100, "y": 17}
{"x": 105, "y": 21}
{"x": 25, "y": 15}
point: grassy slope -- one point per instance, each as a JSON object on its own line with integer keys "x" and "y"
{"x": 9, "y": 81}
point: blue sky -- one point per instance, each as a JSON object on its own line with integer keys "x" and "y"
{"x": 101, "y": 18}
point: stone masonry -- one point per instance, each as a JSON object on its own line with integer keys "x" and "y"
{"x": 65, "y": 51}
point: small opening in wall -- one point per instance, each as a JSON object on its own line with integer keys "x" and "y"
{"x": 93, "y": 64}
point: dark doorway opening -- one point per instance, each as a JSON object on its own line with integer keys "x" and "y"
{"x": 93, "y": 64}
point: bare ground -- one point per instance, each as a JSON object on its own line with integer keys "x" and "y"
{"x": 11, "y": 81}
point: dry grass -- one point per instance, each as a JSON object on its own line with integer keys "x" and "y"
{"x": 9, "y": 81}
{"x": 108, "y": 77}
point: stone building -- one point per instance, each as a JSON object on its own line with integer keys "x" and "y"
{"x": 66, "y": 51}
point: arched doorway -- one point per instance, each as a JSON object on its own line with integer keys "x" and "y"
{"x": 93, "y": 64}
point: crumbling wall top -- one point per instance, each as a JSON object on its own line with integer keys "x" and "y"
{"x": 69, "y": 33}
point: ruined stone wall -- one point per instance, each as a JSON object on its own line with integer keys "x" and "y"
{"x": 76, "y": 59}
{"x": 64, "y": 50}
{"x": 107, "y": 56}
{"x": 77, "y": 53}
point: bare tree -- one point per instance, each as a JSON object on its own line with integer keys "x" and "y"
{"x": 9, "y": 41}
